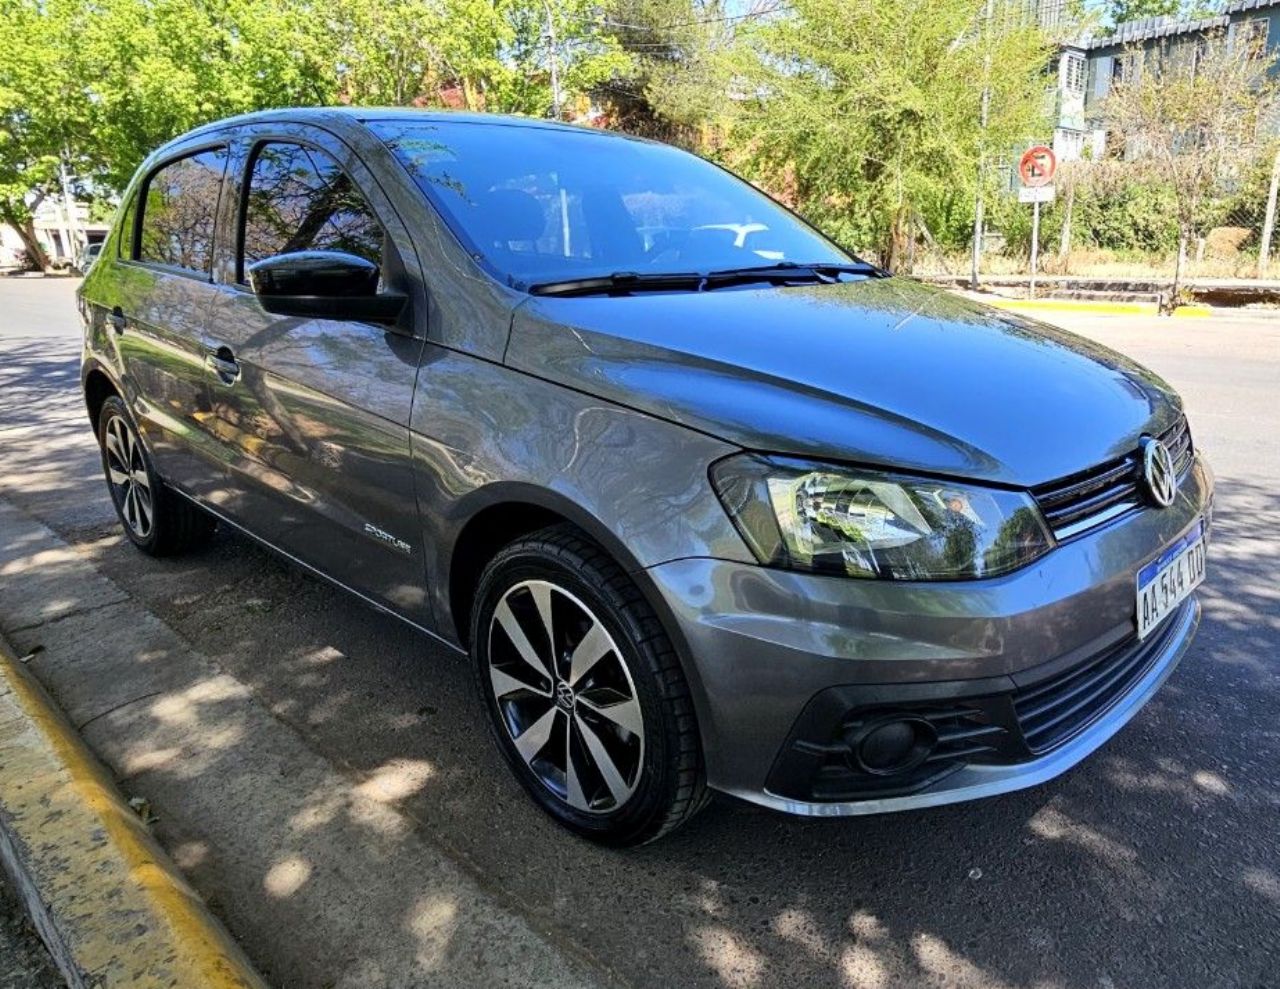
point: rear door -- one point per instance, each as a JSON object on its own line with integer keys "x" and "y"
{"x": 315, "y": 412}
{"x": 156, "y": 302}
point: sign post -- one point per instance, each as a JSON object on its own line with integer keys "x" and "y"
{"x": 1036, "y": 168}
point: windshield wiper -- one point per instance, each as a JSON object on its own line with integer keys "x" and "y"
{"x": 790, "y": 271}
{"x": 782, "y": 273}
{"x": 622, "y": 283}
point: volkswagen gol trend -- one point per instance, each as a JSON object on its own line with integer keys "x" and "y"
{"x": 710, "y": 503}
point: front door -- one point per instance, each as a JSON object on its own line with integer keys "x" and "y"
{"x": 314, "y": 413}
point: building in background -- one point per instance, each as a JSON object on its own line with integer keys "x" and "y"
{"x": 63, "y": 238}
{"x": 1088, "y": 66}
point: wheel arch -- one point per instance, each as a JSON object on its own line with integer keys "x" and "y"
{"x": 496, "y": 516}
{"x": 98, "y": 385}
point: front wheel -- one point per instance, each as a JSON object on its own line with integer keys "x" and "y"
{"x": 586, "y": 697}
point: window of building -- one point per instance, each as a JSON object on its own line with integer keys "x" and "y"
{"x": 179, "y": 212}
{"x": 1074, "y": 74}
{"x": 1121, "y": 70}
{"x": 1254, "y": 32}
{"x": 300, "y": 199}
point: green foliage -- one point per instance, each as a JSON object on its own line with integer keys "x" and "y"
{"x": 99, "y": 85}
{"x": 494, "y": 55}
{"x": 1113, "y": 209}
{"x": 867, "y": 116}
{"x": 1132, "y": 10}
{"x": 676, "y": 84}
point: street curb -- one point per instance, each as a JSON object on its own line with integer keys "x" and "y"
{"x": 110, "y": 906}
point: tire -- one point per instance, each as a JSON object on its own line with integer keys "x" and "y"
{"x": 156, "y": 520}
{"x": 624, "y": 706}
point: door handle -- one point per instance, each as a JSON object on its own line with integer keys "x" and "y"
{"x": 223, "y": 363}
{"x": 117, "y": 320}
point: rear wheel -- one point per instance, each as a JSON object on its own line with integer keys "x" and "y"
{"x": 155, "y": 519}
{"x": 586, "y": 697}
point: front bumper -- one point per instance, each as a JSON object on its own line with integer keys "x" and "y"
{"x": 769, "y": 648}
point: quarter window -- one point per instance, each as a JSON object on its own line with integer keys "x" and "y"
{"x": 299, "y": 199}
{"x": 125, "y": 239}
{"x": 179, "y": 212}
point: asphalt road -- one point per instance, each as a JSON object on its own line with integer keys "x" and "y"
{"x": 1155, "y": 863}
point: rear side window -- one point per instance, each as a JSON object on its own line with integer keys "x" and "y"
{"x": 179, "y": 212}
{"x": 300, "y": 199}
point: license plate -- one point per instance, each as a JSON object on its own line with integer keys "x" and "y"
{"x": 1168, "y": 580}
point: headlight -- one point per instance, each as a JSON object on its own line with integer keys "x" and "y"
{"x": 865, "y": 523}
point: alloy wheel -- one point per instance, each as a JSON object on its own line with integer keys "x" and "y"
{"x": 130, "y": 482}
{"x": 566, "y": 697}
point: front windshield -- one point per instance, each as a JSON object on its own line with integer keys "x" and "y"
{"x": 546, "y": 205}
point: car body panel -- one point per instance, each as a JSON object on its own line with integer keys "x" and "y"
{"x": 768, "y": 640}
{"x": 316, "y": 427}
{"x": 885, "y": 371}
{"x": 148, "y": 331}
{"x": 485, "y": 435}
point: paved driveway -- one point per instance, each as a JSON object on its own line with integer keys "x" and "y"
{"x": 1153, "y": 864}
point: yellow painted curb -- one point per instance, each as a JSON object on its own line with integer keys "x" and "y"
{"x": 1097, "y": 308}
{"x": 1079, "y": 305}
{"x": 106, "y": 899}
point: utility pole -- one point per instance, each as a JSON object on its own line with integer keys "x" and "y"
{"x": 978, "y": 205}
{"x": 555, "y": 62}
{"x": 1269, "y": 222}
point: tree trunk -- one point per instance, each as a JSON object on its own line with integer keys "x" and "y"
{"x": 1064, "y": 245}
{"x": 1269, "y": 221}
{"x": 899, "y": 232}
{"x": 1175, "y": 294}
{"x": 27, "y": 234}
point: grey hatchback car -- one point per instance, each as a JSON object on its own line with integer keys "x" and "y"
{"x": 710, "y": 503}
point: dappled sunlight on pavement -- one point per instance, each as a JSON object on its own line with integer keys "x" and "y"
{"x": 325, "y": 775}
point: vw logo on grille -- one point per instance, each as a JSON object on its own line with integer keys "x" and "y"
{"x": 1158, "y": 472}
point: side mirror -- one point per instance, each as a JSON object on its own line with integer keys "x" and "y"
{"x": 323, "y": 285}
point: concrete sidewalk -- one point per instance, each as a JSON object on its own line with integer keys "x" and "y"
{"x": 297, "y": 856}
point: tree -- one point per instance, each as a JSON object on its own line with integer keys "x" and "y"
{"x": 94, "y": 88}
{"x": 1132, "y": 10}
{"x": 492, "y": 55}
{"x": 1193, "y": 119}
{"x": 675, "y": 87}
{"x": 870, "y": 114}
{"x": 40, "y": 117}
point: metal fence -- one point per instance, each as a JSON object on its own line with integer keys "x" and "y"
{"x": 1105, "y": 225}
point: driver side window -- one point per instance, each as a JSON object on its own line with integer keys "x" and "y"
{"x": 300, "y": 199}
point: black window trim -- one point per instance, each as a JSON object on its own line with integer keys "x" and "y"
{"x": 259, "y": 140}
{"x": 139, "y": 198}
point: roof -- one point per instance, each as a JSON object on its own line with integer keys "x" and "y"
{"x": 360, "y": 114}
{"x": 1170, "y": 25}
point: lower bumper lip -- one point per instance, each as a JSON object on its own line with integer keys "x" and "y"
{"x": 976, "y": 781}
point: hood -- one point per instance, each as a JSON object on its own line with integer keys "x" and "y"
{"x": 880, "y": 371}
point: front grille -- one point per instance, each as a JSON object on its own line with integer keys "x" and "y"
{"x": 1053, "y": 711}
{"x": 1088, "y": 499}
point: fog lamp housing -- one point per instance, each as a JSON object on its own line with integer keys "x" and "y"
{"x": 891, "y": 745}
